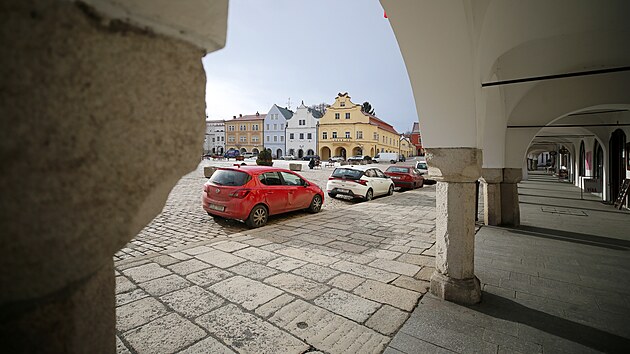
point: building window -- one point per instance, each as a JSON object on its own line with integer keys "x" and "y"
{"x": 324, "y": 135}
{"x": 275, "y": 138}
{"x": 359, "y": 134}
{"x": 347, "y": 115}
{"x": 301, "y": 135}
{"x": 267, "y": 137}
{"x": 231, "y": 128}
{"x": 302, "y": 122}
{"x": 343, "y": 104}
{"x": 275, "y": 127}
{"x": 375, "y": 136}
{"x": 222, "y": 139}
{"x": 291, "y": 136}
{"x": 336, "y": 115}
{"x": 281, "y": 137}
{"x": 231, "y": 139}
{"x": 243, "y": 139}
{"x": 254, "y": 139}
{"x": 255, "y": 127}
{"x": 309, "y": 136}
{"x": 213, "y": 140}
{"x": 267, "y": 126}
{"x": 347, "y": 135}
{"x": 334, "y": 135}
{"x": 281, "y": 126}
{"x": 243, "y": 127}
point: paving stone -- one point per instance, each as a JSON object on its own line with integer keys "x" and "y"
{"x": 165, "y": 260}
{"x": 420, "y": 260}
{"x": 146, "y": 272}
{"x": 253, "y": 270}
{"x": 384, "y": 293}
{"x": 197, "y": 250}
{"x": 327, "y": 331}
{"x": 309, "y": 256}
{"x": 246, "y": 292}
{"x": 384, "y": 254}
{"x": 346, "y": 281}
{"x": 348, "y": 247}
{"x": 192, "y": 301}
{"x": 416, "y": 285}
{"x": 425, "y": 273}
{"x": 400, "y": 249}
{"x": 315, "y": 272}
{"x": 208, "y": 346}
{"x": 220, "y": 259}
{"x": 208, "y": 276}
{"x": 130, "y": 296}
{"x": 257, "y": 255}
{"x": 120, "y": 347}
{"x": 124, "y": 266}
{"x": 138, "y": 313}
{"x": 395, "y": 267}
{"x": 229, "y": 246}
{"x": 297, "y": 285}
{"x": 189, "y": 266}
{"x": 274, "y": 305}
{"x": 248, "y": 333}
{"x": 257, "y": 242}
{"x": 364, "y": 271}
{"x": 387, "y": 320}
{"x": 356, "y": 258}
{"x": 410, "y": 344}
{"x": 168, "y": 334}
{"x": 124, "y": 285}
{"x": 272, "y": 247}
{"x": 348, "y": 305}
{"x": 511, "y": 342}
{"x": 165, "y": 285}
{"x": 286, "y": 264}
{"x": 180, "y": 255}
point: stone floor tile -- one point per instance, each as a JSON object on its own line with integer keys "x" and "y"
{"x": 138, "y": 313}
{"x": 416, "y": 285}
{"x": 364, "y": 271}
{"x": 180, "y": 255}
{"x": 146, "y": 272}
{"x": 395, "y": 267}
{"x": 166, "y": 334}
{"x": 425, "y": 273}
{"x": 130, "y": 296}
{"x": 286, "y": 264}
{"x": 189, "y": 266}
{"x": 274, "y": 305}
{"x": 316, "y": 272}
{"x": 272, "y": 247}
{"x": 257, "y": 242}
{"x": 412, "y": 345}
{"x": 124, "y": 285}
{"x": 421, "y": 260}
{"x": 208, "y": 346}
{"x": 346, "y": 281}
{"x": 305, "y": 255}
{"x": 384, "y": 293}
{"x": 297, "y": 285}
{"x": 387, "y": 320}
{"x": 192, "y": 301}
{"x": 347, "y": 305}
{"x": 246, "y": 292}
{"x": 197, "y": 250}
{"x": 348, "y": 247}
{"x": 120, "y": 347}
{"x": 161, "y": 286}
{"x": 253, "y": 270}
{"x": 208, "y": 276}
{"x": 249, "y": 333}
{"x": 384, "y": 254}
{"x": 165, "y": 260}
{"x": 229, "y": 246}
{"x": 356, "y": 258}
{"x": 220, "y": 259}
{"x": 257, "y": 255}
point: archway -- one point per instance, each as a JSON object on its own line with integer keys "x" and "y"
{"x": 220, "y": 149}
{"x": 582, "y": 162}
{"x": 340, "y": 152}
{"x": 243, "y": 150}
{"x": 598, "y": 160}
{"x": 371, "y": 151}
{"x": 310, "y": 152}
{"x": 255, "y": 151}
{"x": 357, "y": 151}
{"x": 278, "y": 153}
{"x": 292, "y": 152}
{"x": 617, "y": 166}
{"x": 300, "y": 153}
{"x": 325, "y": 153}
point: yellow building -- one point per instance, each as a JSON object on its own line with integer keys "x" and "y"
{"x": 406, "y": 147}
{"x": 245, "y": 133}
{"x": 346, "y": 131}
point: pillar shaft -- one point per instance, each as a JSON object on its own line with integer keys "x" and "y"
{"x": 510, "y": 210}
{"x": 492, "y": 177}
{"x": 456, "y": 171}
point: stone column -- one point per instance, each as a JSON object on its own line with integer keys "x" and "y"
{"x": 510, "y": 211}
{"x": 456, "y": 171}
{"x": 491, "y": 178}
{"x": 99, "y": 119}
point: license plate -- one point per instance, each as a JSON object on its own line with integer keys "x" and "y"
{"x": 341, "y": 190}
{"x": 395, "y": 177}
{"x": 216, "y": 207}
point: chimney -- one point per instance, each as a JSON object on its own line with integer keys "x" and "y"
{"x": 233, "y": 117}
{"x": 257, "y": 114}
{"x": 240, "y": 115}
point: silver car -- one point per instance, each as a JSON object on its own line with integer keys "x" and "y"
{"x": 365, "y": 182}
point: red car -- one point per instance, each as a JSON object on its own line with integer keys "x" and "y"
{"x": 252, "y": 193}
{"x": 405, "y": 177}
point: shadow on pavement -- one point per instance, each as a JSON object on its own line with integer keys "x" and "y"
{"x": 592, "y": 240}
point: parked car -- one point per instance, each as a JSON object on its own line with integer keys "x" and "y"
{"x": 359, "y": 158}
{"x": 253, "y": 193}
{"x": 360, "y": 181}
{"x": 391, "y": 157}
{"x": 232, "y": 153}
{"x": 336, "y": 159}
{"x": 288, "y": 157}
{"x": 405, "y": 177}
{"x": 248, "y": 155}
{"x": 309, "y": 157}
{"x": 422, "y": 167}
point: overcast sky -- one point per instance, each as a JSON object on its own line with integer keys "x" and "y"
{"x": 308, "y": 50}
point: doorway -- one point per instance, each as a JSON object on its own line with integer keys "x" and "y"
{"x": 617, "y": 162}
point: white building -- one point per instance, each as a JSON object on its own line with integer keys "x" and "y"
{"x": 214, "y": 142}
{"x": 301, "y": 135}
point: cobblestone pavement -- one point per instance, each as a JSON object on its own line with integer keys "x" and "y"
{"x": 340, "y": 281}
{"x": 183, "y": 221}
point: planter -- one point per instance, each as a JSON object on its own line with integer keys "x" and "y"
{"x": 208, "y": 171}
{"x": 295, "y": 166}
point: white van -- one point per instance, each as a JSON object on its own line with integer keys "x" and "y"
{"x": 391, "y": 157}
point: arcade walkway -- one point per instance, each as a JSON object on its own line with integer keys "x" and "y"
{"x": 560, "y": 283}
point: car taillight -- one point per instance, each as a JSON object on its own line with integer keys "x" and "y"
{"x": 239, "y": 193}
{"x": 361, "y": 181}
{"x": 407, "y": 178}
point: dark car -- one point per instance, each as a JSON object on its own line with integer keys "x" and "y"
{"x": 309, "y": 157}
{"x": 231, "y": 154}
{"x": 405, "y": 177}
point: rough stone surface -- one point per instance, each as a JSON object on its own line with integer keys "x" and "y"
{"x": 346, "y": 281}
{"x": 169, "y": 333}
{"x": 274, "y": 305}
{"x": 208, "y": 345}
{"x": 348, "y": 305}
{"x": 165, "y": 285}
{"x": 384, "y": 293}
{"x": 387, "y": 320}
{"x": 192, "y": 301}
{"x": 220, "y": 259}
{"x": 246, "y": 292}
{"x": 146, "y": 272}
{"x": 253, "y": 270}
{"x": 395, "y": 267}
{"x": 138, "y": 312}
{"x": 208, "y": 276}
{"x": 454, "y": 164}
{"x": 297, "y": 285}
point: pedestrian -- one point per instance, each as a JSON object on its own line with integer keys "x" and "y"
{"x": 311, "y": 163}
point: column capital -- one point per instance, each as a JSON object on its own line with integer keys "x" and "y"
{"x": 492, "y": 175}
{"x": 512, "y": 175}
{"x": 460, "y": 164}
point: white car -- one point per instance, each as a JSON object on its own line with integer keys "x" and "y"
{"x": 365, "y": 182}
{"x": 422, "y": 167}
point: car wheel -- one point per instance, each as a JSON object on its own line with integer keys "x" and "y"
{"x": 391, "y": 190}
{"x": 421, "y": 184}
{"x": 332, "y": 195}
{"x": 316, "y": 204}
{"x": 257, "y": 217}
{"x": 369, "y": 195}
{"x": 392, "y": 161}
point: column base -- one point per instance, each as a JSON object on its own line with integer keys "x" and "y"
{"x": 461, "y": 291}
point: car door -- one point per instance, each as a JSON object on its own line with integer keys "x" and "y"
{"x": 274, "y": 191}
{"x": 299, "y": 197}
{"x": 382, "y": 181}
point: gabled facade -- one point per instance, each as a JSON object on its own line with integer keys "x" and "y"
{"x": 406, "y": 147}
{"x": 301, "y": 134}
{"x": 345, "y": 130}
{"x": 275, "y": 126}
{"x": 245, "y": 133}
{"x": 416, "y": 139}
{"x": 214, "y": 142}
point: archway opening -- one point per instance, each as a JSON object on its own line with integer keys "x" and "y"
{"x": 357, "y": 151}
{"x": 325, "y": 153}
{"x": 617, "y": 161}
{"x": 300, "y": 153}
{"x": 310, "y": 152}
{"x": 340, "y": 152}
{"x": 279, "y": 153}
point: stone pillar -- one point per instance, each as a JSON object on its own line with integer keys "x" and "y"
{"x": 491, "y": 178}
{"x": 456, "y": 171}
{"x": 510, "y": 211}
{"x": 99, "y": 119}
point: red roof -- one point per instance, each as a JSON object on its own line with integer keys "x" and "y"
{"x": 381, "y": 124}
{"x": 249, "y": 117}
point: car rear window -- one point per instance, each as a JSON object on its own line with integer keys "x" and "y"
{"x": 398, "y": 169}
{"x": 229, "y": 178}
{"x": 347, "y": 173}
{"x": 422, "y": 165}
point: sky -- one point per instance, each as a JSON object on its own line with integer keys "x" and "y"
{"x": 308, "y": 50}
